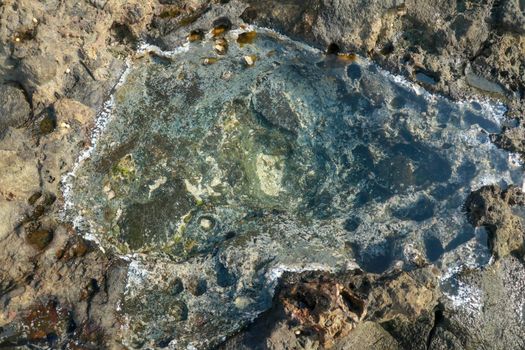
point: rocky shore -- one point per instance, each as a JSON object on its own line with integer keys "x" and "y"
{"x": 59, "y": 63}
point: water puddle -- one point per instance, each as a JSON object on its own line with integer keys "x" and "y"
{"x": 221, "y": 167}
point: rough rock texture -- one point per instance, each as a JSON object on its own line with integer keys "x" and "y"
{"x": 60, "y": 59}
{"x": 464, "y": 47}
{"x": 14, "y": 107}
{"x": 487, "y": 312}
{"x": 316, "y": 310}
{"x": 492, "y": 208}
{"x": 58, "y": 62}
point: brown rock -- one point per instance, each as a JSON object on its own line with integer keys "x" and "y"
{"x": 39, "y": 239}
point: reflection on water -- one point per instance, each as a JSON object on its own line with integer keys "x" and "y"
{"x": 222, "y": 172}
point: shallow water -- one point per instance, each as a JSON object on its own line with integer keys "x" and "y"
{"x": 221, "y": 176}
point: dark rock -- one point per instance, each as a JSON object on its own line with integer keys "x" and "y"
{"x": 177, "y": 286}
{"x": 510, "y": 16}
{"x": 354, "y": 71}
{"x": 196, "y": 35}
{"x": 47, "y": 125}
{"x": 351, "y": 224}
{"x": 197, "y": 286}
{"x": 434, "y": 248}
{"x": 39, "y": 239}
{"x": 274, "y": 109}
{"x": 14, "y": 107}
{"x": 421, "y": 210}
{"x": 333, "y": 49}
{"x": 224, "y": 277}
{"x": 221, "y": 25}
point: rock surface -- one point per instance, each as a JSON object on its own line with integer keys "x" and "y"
{"x": 59, "y": 60}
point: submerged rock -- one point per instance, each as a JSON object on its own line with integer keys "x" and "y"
{"x": 224, "y": 184}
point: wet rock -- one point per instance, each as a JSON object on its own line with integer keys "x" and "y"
{"x": 421, "y": 210}
{"x": 483, "y": 84}
{"x": 492, "y": 208}
{"x": 479, "y": 303}
{"x": 39, "y": 239}
{"x": 196, "y": 35}
{"x": 14, "y": 107}
{"x": 353, "y": 71}
{"x": 45, "y": 321}
{"x": 221, "y": 25}
{"x": 47, "y": 125}
{"x": 246, "y": 38}
{"x": 275, "y": 108}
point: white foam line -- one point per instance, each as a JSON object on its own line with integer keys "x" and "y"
{"x": 101, "y": 121}
{"x": 489, "y": 107}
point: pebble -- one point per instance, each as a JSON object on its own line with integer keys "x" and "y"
{"x": 210, "y": 60}
{"x": 250, "y": 60}
{"x": 206, "y": 224}
{"x": 221, "y": 50}
{"x": 246, "y": 38}
{"x": 196, "y": 35}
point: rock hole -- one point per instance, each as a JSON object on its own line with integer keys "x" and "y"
{"x": 123, "y": 34}
{"x": 353, "y": 303}
{"x": 333, "y": 49}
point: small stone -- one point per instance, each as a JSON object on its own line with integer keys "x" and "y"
{"x": 207, "y": 224}
{"x": 47, "y": 125}
{"x": 221, "y": 25}
{"x": 246, "y": 38}
{"x": 250, "y": 60}
{"x": 209, "y": 61}
{"x": 196, "y": 35}
{"x": 221, "y": 50}
{"x": 347, "y": 57}
{"x": 39, "y": 239}
{"x": 227, "y": 75}
{"x": 242, "y": 302}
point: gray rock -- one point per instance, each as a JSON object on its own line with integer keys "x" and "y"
{"x": 482, "y": 83}
{"x": 14, "y": 108}
{"x": 511, "y": 16}
{"x": 368, "y": 336}
{"x": 38, "y": 70}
